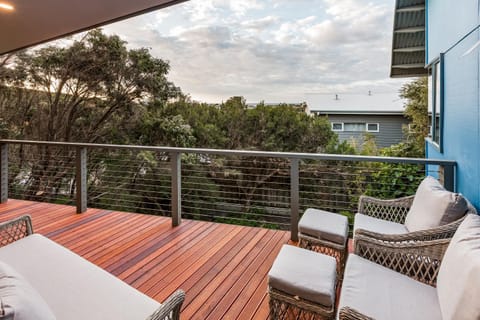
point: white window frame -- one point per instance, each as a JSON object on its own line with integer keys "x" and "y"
{"x": 373, "y": 123}
{"x": 337, "y": 130}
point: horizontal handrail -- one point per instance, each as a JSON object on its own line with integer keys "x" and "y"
{"x": 249, "y": 153}
{"x": 274, "y": 194}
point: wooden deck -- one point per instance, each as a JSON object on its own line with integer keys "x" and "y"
{"x": 222, "y": 268}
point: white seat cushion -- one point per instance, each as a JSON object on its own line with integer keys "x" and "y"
{"x": 377, "y": 225}
{"x": 434, "y": 206}
{"x": 458, "y": 282}
{"x": 73, "y": 287}
{"x": 324, "y": 225}
{"x": 382, "y": 293}
{"x": 304, "y": 273}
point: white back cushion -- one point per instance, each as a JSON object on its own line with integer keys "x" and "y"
{"x": 19, "y": 300}
{"x": 458, "y": 282}
{"x": 434, "y": 206}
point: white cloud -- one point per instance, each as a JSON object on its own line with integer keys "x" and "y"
{"x": 273, "y": 50}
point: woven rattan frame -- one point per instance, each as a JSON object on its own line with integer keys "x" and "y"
{"x": 347, "y": 313}
{"x": 373, "y": 207}
{"x": 394, "y": 210}
{"x": 338, "y": 251}
{"x": 419, "y": 260}
{"x": 15, "y": 229}
{"x": 285, "y": 306}
{"x": 170, "y": 309}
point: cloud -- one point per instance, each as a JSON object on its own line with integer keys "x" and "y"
{"x": 272, "y": 50}
{"x": 260, "y": 24}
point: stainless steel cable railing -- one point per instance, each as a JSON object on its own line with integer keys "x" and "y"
{"x": 264, "y": 189}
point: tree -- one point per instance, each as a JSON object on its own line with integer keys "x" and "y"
{"x": 416, "y": 109}
{"x": 90, "y": 86}
{"x": 86, "y": 92}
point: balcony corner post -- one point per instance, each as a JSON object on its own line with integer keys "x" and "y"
{"x": 3, "y": 173}
{"x": 294, "y": 199}
{"x": 176, "y": 167}
{"x": 81, "y": 179}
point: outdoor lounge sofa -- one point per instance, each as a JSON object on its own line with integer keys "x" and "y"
{"x": 432, "y": 213}
{"x": 40, "y": 279}
{"x": 435, "y": 279}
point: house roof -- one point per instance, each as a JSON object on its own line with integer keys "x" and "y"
{"x": 368, "y": 103}
{"x": 33, "y": 22}
{"x": 408, "y": 45}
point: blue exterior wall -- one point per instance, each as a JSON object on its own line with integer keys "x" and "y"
{"x": 448, "y": 27}
{"x": 447, "y": 22}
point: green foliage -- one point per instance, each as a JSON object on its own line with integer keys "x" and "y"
{"x": 416, "y": 109}
{"x": 395, "y": 180}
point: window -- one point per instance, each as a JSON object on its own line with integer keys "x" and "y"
{"x": 354, "y": 127}
{"x": 435, "y": 100}
{"x": 373, "y": 127}
{"x": 337, "y": 126}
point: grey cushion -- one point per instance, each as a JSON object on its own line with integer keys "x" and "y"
{"x": 382, "y": 293}
{"x": 324, "y": 225}
{"x": 377, "y": 225}
{"x": 73, "y": 287}
{"x": 19, "y": 300}
{"x": 434, "y": 206}
{"x": 304, "y": 273}
{"x": 458, "y": 282}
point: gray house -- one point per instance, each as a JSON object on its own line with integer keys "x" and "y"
{"x": 353, "y": 116}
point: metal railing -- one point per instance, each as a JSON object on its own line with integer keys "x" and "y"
{"x": 265, "y": 189}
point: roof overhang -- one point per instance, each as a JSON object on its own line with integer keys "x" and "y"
{"x": 33, "y": 22}
{"x": 408, "y": 45}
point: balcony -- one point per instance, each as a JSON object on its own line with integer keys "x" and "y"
{"x": 188, "y": 196}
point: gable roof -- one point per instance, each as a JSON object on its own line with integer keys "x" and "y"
{"x": 408, "y": 44}
{"x": 33, "y": 22}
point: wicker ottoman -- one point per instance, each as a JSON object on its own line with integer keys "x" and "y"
{"x": 302, "y": 285}
{"x": 325, "y": 232}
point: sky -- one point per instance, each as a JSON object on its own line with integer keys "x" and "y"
{"x": 270, "y": 50}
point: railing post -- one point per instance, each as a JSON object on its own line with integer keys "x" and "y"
{"x": 294, "y": 198}
{"x": 176, "y": 163}
{"x": 3, "y": 172}
{"x": 81, "y": 179}
{"x": 447, "y": 175}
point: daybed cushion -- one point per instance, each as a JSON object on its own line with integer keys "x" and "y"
{"x": 434, "y": 206}
{"x": 304, "y": 273}
{"x": 73, "y": 287}
{"x": 382, "y": 293}
{"x": 377, "y": 225}
{"x": 19, "y": 300}
{"x": 458, "y": 282}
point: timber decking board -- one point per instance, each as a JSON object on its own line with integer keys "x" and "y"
{"x": 221, "y": 267}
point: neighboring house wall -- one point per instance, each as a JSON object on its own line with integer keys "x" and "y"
{"x": 447, "y": 33}
{"x": 390, "y": 128}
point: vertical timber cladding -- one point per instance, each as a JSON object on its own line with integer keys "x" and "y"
{"x": 390, "y": 128}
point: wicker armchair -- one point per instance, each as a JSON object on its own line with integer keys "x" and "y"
{"x": 419, "y": 260}
{"x": 395, "y": 210}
